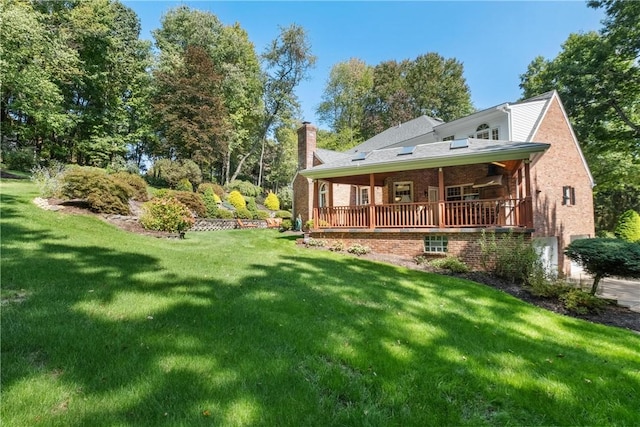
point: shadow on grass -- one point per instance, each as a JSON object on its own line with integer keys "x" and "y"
{"x": 312, "y": 339}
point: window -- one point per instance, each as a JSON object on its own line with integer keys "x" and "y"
{"x": 485, "y": 132}
{"x": 435, "y": 244}
{"x": 403, "y": 192}
{"x": 448, "y": 138}
{"x": 461, "y": 192}
{"x": 363, "y": 195}
{"x": 568, "y": 195}
{"x": 322, "y": 196}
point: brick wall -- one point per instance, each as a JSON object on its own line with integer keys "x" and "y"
{"x": 465, "y": 246}
{"x": 561, "y": 165}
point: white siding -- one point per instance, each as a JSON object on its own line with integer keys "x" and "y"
{"x": 468, "y": 128}
{"x": 524, "y": 117}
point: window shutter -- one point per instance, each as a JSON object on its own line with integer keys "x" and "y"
{"x": 573, "y": 195}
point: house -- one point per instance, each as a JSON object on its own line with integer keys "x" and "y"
{"x": 432, "y": 188}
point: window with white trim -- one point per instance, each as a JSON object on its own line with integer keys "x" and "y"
{"x": 485, "y": 132}
{"x": 363, "y": 195}
{"x": 322, "y": 195}
{"x": 461, "y": 192}
{"x": 568, "y": 195}
{"x": 436, "y": 244}
{"x": 403, "y": 192}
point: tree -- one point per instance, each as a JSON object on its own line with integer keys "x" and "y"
{"x": 35, "y": 61}
{"x": 190, "y": 110}
{"x": 343, "y": 101}
{"x": 429, "y": 85}
{"x": 286, "y": 62}
{"x": 628, "y": 227}
{"x": 235, "y": 61}
{"x": 606, "y": 257}
{"x": 598, "y": 78}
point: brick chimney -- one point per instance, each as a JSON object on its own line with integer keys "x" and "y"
{"x": 306, "y": 145}
{"x": 303, "y": 187}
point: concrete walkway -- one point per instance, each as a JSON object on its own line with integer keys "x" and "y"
{"x": 627, "y": 292}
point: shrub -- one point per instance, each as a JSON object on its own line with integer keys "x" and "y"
{"x": 450, "y": 263}
{"x": 285, "y": 196}
{"x": 20, "y": 159}
{"x": 244, "y": 187}
{"x": 337, "y": 246}
{"x": 168, "y": 172}
{"x": 192, "y": 200}
{"x": 136, "y": 182}
{"x": 420, "y": 259}
{"x": 224, "y": 214}
{"x": 102, "y": 192}
{"x": 285, "y": 225}
{"x": 236, "y": 200}
{"x": 216, "y": 188}
{"x": 316, "y": 243}
{"x": 284, "y": 214}
{"x": 548, "y": 289}
{"x": 581, "y": 302}
{"x": 166, "y": 214}
{"x": 628, "y": 227}
{"x": 358, "y": 249}
{"x": 251, "y": 204}
{"x": 184, "y": 185}
{"x": 49, "y": 179}
{"x": 262, "y": 214}
{"x": 210, "y": 204}
{"x": 271, "y": 202}
{"x": 244, "y": 213}
{"x": 606, "y": 257}
{"x": 510, "y": 257}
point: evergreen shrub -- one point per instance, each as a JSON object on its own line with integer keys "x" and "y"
{"x": 285, "y": 196}
{"x": 102, "y": 192}
{"x": 217, "y": 189}
{"x": 139, "y": 185}
{"x": 166, "y": 214}
{"x": 284, "y": 214}
{"x": 244, "y": 213}
{"x": 210, "y": 203}
{"x": 236, "y": 200}
{"x": 271, "y": 202}
{"x": 450, "y": 263}
{"x": 192, "y": 200}
{"x": 260, "y": 214}
{"x": 224, "y": 214}
{"x": 184, "y": 185}
{"x": 244, "y": 187}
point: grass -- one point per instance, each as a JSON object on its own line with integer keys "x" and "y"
{"x": 244, "y": 328}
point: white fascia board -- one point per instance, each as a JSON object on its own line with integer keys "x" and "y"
{"x": 430, "y": 163}
{"x": 482, "y": 114}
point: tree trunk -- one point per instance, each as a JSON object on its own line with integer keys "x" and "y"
{"x": 596, "y": 281}
{"x": 261, "y": 167}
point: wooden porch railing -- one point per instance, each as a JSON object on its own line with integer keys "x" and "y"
{"x": 459, "y": 214}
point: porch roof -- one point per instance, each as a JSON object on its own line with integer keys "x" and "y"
{"x": 426, "y": 156}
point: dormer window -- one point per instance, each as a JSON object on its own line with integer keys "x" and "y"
{"x": 485, "y": 132}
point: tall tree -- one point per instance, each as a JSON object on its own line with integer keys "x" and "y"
{"x": 234, "y": 59}
{"x": 190, "y": 109}
{"x": 429, "y": 84}
{"x": 598, "y": 78}
{"x": 286, "y": 63}
{"x": 35, "y": 60}
{"x": 343, "y": 101}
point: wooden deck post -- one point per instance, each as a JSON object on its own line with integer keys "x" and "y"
{"x": 528, "y": 199}
{"x": 441, "y": 198}
{"x": 372, "y": 202}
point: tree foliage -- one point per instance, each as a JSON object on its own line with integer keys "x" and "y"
{"x": 597, "y": 75}
{"x": 628, "y": 227}
{"x": 603, "y": 257}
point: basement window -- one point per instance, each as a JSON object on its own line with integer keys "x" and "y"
{"x": 436, "y": 244}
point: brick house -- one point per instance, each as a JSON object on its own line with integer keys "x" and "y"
{"x": 431, "y": 188}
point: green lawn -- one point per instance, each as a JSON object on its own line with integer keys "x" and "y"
{"x": 244, "y": 328}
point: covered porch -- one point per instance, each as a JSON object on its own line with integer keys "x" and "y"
{"x": 479, "y": 195}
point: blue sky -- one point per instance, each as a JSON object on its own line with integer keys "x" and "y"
{"x": 495, "y": 40}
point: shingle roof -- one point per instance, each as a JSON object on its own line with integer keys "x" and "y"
{"x": 428, "y": 155}
{"x": 402, "y": 132}
{"x": 329, "y": 156}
